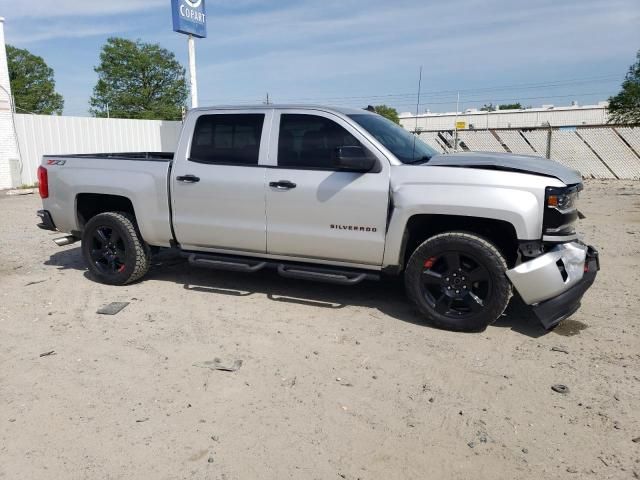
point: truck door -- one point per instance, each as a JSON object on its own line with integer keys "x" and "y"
{"x": 314, "y": 210}
{"x": 218, "y": 195}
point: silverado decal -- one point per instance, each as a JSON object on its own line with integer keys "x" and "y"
{"x": 354, "y": 228}
{"x": 56, "y": 162}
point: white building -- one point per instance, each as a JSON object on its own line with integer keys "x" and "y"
{"x": 570, "y": 116}
{"x": 9, "y": 155}
{"x": 25, "y": 138}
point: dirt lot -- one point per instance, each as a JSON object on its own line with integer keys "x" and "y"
{"x": 335, "y": 382}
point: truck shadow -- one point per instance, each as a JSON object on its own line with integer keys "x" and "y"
{"x": 386, "y": 296}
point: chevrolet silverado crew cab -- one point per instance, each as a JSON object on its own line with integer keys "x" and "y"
{"x": 337, "y": 195}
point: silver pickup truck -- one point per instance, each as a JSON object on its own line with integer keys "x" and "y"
{"x": 336, "y": 195}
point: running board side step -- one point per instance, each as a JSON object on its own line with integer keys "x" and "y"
{"x": 225, "y": 263}
{"x": 288, "y": 270}
{"x": 322, "y": 275}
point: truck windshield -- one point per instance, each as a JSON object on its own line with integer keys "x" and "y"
{"x": 407, "y": 147}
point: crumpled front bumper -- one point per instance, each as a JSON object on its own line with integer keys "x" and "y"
{"x": 554, "y": 283}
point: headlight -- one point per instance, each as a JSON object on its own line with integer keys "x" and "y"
{"x": 562, "y": 199}
{"x": 561, "y": 213}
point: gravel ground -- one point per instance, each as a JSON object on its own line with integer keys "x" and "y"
{"x": 335, "y": 382}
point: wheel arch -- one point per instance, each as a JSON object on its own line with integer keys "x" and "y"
{"x": 421, "y": 227}
{"x": 88, "y": 205}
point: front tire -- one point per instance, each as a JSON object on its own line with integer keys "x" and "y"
{"x": 114, "y": 250}
{"x": 457, "y": 281}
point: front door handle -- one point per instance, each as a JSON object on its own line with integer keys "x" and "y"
{"x": 283, "y": 185}
{"x": 188, "y": 179}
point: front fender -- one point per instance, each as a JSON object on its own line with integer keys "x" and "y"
{"x": 520, "y": 208}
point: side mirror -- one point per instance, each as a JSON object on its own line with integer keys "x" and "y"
{"x": 354, "y": 159}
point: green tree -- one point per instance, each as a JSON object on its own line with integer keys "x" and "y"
{"x": 510, "y": 106}
{"x": 625, "y": 106}
{"x": 138, "y": 80}
{"x": 488, "y": 108}
{"x": 387, "y": 112}
{"x": 32, "y": 83}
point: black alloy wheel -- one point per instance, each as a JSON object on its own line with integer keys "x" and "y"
{"x": 113, "y": 248}
{"x": 108, "y": 251}
{"x": 455, "y": 284}
{"x": 457, "y": 281}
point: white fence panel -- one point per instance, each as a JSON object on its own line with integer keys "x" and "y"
{"x": 596, "y": 152}
{"x": 538, "y": 140}
{"x": 569, "y": 149}
{"x": 515, "y": 142}
{"x": 480, "y": 141}
{"x": 613, "y": 151}
{"x": 431, "y": 139}
{"x": 631, "y": 135}
{"x": 40, "y": 135}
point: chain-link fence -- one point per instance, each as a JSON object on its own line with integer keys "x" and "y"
{"x": 595, "y": 151}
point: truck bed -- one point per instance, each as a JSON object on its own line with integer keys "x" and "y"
{"x": 140, "y": 156}
{"x": 139, "y": 177}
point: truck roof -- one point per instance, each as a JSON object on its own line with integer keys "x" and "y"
{"x": 326, "y": 108}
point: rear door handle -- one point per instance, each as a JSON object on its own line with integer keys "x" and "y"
{"x": 188, "y": 179}
{"x": 283, "y": 185}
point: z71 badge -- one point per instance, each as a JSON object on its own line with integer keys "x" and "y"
{"x": 56, "y": 162}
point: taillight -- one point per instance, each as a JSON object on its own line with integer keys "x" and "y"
{"x": 43, "y": 182}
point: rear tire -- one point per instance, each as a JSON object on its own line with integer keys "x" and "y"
{"x": 113, "y": 249}
{"x": 457, "y": 281}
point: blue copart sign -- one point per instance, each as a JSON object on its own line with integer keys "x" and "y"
{"x": 190, "y": 17}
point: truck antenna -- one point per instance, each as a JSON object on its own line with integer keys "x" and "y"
{"x": 413, "y": 155}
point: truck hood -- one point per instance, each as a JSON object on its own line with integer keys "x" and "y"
{"x": 508, "y": 162}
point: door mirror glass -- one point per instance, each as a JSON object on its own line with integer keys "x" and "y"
{"x": 354, "y": 159}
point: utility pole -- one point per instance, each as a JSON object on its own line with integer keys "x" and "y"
{"x": 415, "y": 133}
{"x": 549, "y": 134}
{"x": 488, "y": 118}
{"x": 418, "y": 100}
{"x": 455, "y": 138}
{"x": 108, "y": 113}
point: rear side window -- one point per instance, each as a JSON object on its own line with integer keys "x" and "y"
{"x": 309, "y": 141}
{"x": 227, "y": 139}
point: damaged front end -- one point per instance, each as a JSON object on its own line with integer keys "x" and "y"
{"x": 555, "y": 282}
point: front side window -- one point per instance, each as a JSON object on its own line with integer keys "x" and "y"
{"x": 407, "y": 147}
{"x": 227, "y": 139}
{"x": 309, "y": 141}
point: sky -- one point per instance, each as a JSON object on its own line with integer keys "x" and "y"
{"x": 353, "y": 52}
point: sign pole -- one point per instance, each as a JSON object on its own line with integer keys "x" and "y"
{"x": 190, "y": 18}
{"x": 193, "y": 80}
